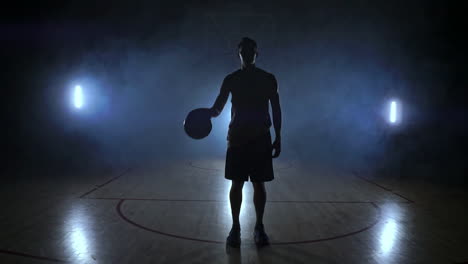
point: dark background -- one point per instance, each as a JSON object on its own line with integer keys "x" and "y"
{"x": 144, "y": 65}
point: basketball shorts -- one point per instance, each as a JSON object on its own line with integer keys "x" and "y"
{"x": 251, "y": 159}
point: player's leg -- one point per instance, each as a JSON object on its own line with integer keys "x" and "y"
{"x": 235, "y": 197}
{"x": 260, "y": 237}
{"x": 259, "y": 199}
{"x": 262, "y": 171}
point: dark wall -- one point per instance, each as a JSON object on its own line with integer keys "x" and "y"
{"x": 145, "y": 65}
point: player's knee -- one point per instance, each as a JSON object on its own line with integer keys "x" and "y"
{"x": 237, "y": 185}
{"x": 259, "y": 186}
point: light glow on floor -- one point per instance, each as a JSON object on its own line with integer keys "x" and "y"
{"x": 388, "y": 235}
{"x": 78, "y": 228}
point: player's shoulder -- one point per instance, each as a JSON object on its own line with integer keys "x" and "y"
{"x": 266, "y": 74}
{"x": 232, "y": 75}
{"x": 269, "y": 79}
{"x": 258, "y": 71}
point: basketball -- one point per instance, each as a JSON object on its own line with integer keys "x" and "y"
{"x": 197, "y": 124}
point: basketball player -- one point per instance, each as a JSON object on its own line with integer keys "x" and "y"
{"x": 250, "y": 151}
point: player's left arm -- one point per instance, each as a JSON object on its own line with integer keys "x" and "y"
{"x": 276, "y": 111}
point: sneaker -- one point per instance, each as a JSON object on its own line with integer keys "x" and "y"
{"x": 234, "y": 239}
{"x": 260, "y": 237}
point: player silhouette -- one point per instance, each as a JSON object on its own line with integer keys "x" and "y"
{"x": 250, "y": 151}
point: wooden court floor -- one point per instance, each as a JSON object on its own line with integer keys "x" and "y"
{"x": 178, "y": 212}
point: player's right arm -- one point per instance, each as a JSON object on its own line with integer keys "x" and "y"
{"x": 222, "y": 98}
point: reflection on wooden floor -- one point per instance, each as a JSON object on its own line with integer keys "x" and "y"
{"x": 178, "y": 212}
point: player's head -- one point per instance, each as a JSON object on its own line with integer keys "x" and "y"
{"x": 247, "y": 51}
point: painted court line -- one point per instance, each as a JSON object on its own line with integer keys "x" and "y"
{"x": 383, "y": 188}
{"x": 126, "y": 219}
{"x": 226, "y": 201}
{"x": 21, "y": 254}
{"x": 190, "y": 164}
{"x": 307, "y": 241}
{"x": 105, "y": 183}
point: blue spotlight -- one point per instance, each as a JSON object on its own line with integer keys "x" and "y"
{"x": 78, "y": 98}
{"x": 393, "y": 112}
